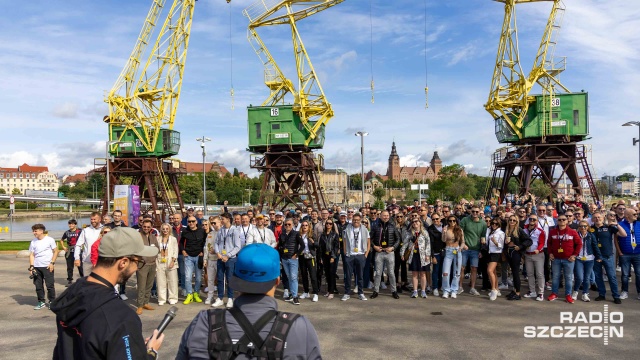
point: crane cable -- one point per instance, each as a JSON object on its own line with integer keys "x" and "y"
{"x": 426, "y": 68}
{"x": 371, "y": 30}
{"x": 231, "y": 53}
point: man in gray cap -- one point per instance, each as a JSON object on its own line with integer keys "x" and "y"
{"x": 92, "y": 321}
{"x": 253, "y": 327}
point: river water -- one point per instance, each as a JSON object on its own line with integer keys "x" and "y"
{"x": 22, "y": 227}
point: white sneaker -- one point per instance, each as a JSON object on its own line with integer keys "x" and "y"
{"x": 304, "y": 296}
{"x": 498, "y": 293}
{"x": 315, "y": 298}
{"x": 206, "y": 289}
{"x": 585, "y": 298}
{"x": 493, "y": 295}
{"x": 454, "y": 295}
{"x": 547, "y": 286}
{"x": 638, "y": 296}
{"x": 173, "y": 302}
{"x": 435, "y": 292}
{"x": 530, "y": 294}
{"x": 362, "y": 297}
{"x": 460, "y": 291}
{"x": 124, "y": 297}
{"x": 160, "y": 303}
{"x": 445, "y": 295}
{"x": 229, "y": 303}
{"x": 509, "y": 283}
{"x": 184, "y": 292}
{"x": 423, "y": 294}
{"x": 624, "y": 295}
{"x": 285, "y": 294}
{"x": 208, "y": 301}
{"x": 473, "y": 291}
{"x": 503, "y": 287}
{"x": 383, "y": 286}
{"x": 574, "y": 295}
{"x": 345, "y": 297}
{"x": 217, "y": 303}
{"x": 540, "y": 297}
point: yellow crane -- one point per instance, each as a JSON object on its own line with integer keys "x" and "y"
{"x": 309, "y": 110}
{"x": 144, "y": 99}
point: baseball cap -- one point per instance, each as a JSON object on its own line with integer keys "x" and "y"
{"x": 190, "y": 209}
{"x": 124, "y": 241}
{"x": 343, "y": 213}
{"x": 257, "y": 267}
{"x": 279, "y": 213}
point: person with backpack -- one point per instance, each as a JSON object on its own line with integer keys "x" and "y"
{"x": 253, "y": 327}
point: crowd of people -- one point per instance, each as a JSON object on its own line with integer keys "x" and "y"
{"x": 564, "y": 244}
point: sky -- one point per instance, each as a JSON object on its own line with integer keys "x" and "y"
{"x": 58, "y": 59}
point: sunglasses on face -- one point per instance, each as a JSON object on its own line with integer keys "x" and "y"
{"x": 513, "y": 220}
{"x": 329, "y": 224}
{"x": 435, "y": 219}
{"x": 475, "y": 211}
{"x": 288, "y": 224}
{"x": 562, "y": 219}
{"x": 451, "y": 221}
{"x": 583, "y": 226}
{"x": 191, "y": 221}
{"x": 533, "y": 219}
{"x": 416, "y": 221}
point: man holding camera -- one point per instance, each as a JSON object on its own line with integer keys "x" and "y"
{"x": 68, "y": 243}
{"x": 43, "y": 253}
{"x": 92, "y": 321}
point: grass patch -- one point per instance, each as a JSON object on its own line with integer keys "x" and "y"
{"x": 14, "y": 245}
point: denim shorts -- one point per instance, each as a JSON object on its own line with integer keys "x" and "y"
{"x": 470, "y": 254}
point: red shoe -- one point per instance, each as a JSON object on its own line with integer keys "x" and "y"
{"x": 569, "y": 299}
{"x": 553, "y": 297}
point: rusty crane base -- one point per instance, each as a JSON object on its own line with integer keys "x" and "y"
{"x": 290, "y": 177}
{"x": 157, "y": 180}
{"x": 540, "y": 161}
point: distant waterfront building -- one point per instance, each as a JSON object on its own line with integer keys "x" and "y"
{"x": 27, "y": 177}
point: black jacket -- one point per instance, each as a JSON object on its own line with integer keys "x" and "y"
{"x": 329, "y": 243}
{"x": 523, "y": 241}
{"x": 93, "y": 323}
{"x": 193, "y": 241}
{"x": 292, "y": 243}
{"x": 437, "y": 245}
{"x": 394, "y": 238}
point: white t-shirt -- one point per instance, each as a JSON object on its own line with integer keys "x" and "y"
{"x": 42, "y": 250}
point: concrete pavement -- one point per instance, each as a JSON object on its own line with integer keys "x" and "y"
{"x": 383, "y": 328}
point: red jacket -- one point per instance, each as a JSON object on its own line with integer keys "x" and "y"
{"x": 94, "y": 251}
{"x": 568, "y": 240}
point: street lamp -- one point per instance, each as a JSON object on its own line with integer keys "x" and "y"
{"x": 635, "y": 141}
{"x": 108, "y": 165}
{"x": 362, "y": 134}
{"x": 203, "y": 140}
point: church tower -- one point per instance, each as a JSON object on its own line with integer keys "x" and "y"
{"x": 436, "y": 163}
{"x": 393, "y": 172}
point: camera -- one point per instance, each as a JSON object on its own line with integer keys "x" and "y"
{"x": 34, "y": 274}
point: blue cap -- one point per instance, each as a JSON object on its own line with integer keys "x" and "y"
{"x": 257, "y": 267}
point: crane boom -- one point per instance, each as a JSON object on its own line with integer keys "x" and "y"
{"x": 143, "y": 104}
{"x": 509, "y": 98}
{"x": 310, "y": 104}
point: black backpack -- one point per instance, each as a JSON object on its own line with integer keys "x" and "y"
{"x": 221, "y": 346}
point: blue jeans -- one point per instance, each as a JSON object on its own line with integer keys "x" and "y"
{"x": 366, "y": 274}
{"x": 557, "y": 266}
{"x": 625, "y": 263}
{"x": 291, "y": 269}
{"x": 610, "y": 268}
{"x": 436, "y": 272}
{"x": 355, "y": 266}
{"x": 451, "y": 270}
{"x": 582, "y": 272}
{"x": 191, "y": 264}
{"x": 181, "y": 271}
{"x": 225, "y": 271}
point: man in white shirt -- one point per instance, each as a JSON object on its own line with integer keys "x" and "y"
{"x": 88, "y": 236}
{"x": 356, "y": 249}
{"x": 545, "y": 222}
{"x": 43, "y": 253}
{"x": 245, "y": 229}
{"x": 260, "y": 234}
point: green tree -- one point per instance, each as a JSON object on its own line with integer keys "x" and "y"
{"x": 452, "y": 170}
{"x": 379, "y": 193}
{"x": 602, "y": 188}
{"x": 16, "y": 191}
{"x": 3, "y": 191}
{"x": 540, "y": 189}
{"x": 355, "y": 182}
{"x": 236, "y": 173}
{"x": 625, "y": 177}
{"x": 462, "y": 187}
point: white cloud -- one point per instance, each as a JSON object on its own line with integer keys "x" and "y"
{"x": 66, "y": 111}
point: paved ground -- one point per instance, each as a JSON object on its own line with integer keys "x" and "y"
{"x": 384, "y": 328}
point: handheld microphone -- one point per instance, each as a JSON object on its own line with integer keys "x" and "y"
{"x": 167, "y": 319}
